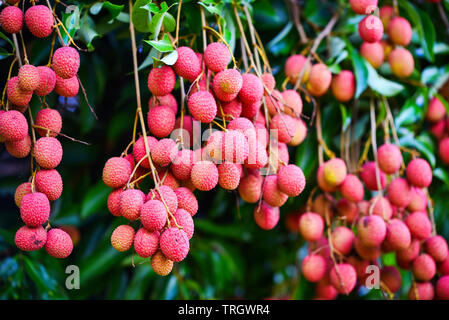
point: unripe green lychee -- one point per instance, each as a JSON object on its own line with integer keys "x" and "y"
{"x": 398, "y": 235}
{"x": 343, "y": 86}
{"x": 424, "y": 267}
{"x": 146, "y": 243}
{"x": 437, "y": 248}
{"x": 122, "y": 238}
{"x": 160, "y": 264}
{"x": 47, "y": 81}
{"x": 311, "y": 226}
{"x": 313, "y": 267}
{"x": 343, "y": 277}
{"x": 293, "y": 67}
{"x": 401, "y": 62}
{"x": 419, "y": 173}
{"x": 50, "y": 119}
{"x": 49, "y": 182}
{"x": 363, "y": 6}
{"x": 184, "y": 220}
{"x": 30, "y": 239}
{"x": 168, "y": 100}
{"x": 48, "y": 152}
{"x": 67, "y": 87}
{"x": 291, "y": 180}
{"x": 174, "y": 244}
{"x": 11, "y": 19}
{"x": 421, "y": 291}
{"x": 373, "y": 53}
{"x": 29, "y": 77}
{"x": 342, "y": 239}
{"x": 34, "y": 209}
{"x": 334, "y": 171}
{"x": 187, "y": 65}
{"x": 266, "y": 216}
{"x": 252, "y": 89}
{"x": 21, "y": 191}
{"x": 202, "y": 106}
{"x": 16, "y": 95}
{"x": 216, "y": 56}
{"x": 352, "y": 188}
{"x": 400, "y": 31}
{"x": 271, "y": 192}
{"x": 371, "y": 29}
{"x": 399, "y": 193}
{"x": 371, "y": 230}
{"x": 130, "y": 203}
{"x": 116, "y": 172}
{"x": 419, "y": 225}
{"x": 391, "y": 278}
{"x": 39, "y": 20}
{"x": 369, "y": 176}
{"x": 390, "y": 158}
{"x": 204, "y": 175}
{"x": 20, "y": 148}
{"x": 319, "y": 80}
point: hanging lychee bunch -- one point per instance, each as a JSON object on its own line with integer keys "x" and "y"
{"x": 234, "y": 151}
{"x": 436, "y": 116}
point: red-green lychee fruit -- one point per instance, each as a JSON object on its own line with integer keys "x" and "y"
{"x": 130, "y": 203}
{"x": 266, "y": 216}
{"x": 435, "y": 111}
{"x": 371, "y": 230}
{"x": 424, "y": 267}
{"x": 187, "y": 200}
{"x": 11, "y": 19}
{"x": 67, "y": 87}
{"x": 66, "y": 62}
{"x": 343, "y": 277}
{"x": 168, "y": 100}
{"x": 50, "y": 119}
{"x": 39, "y": 20}
{"x": 16, "y": 95}
{"x": 185, "y": 221}
{"x": 250, "y": 188}
{"x": 398, "y": 235}
{"x": 165, "y": 194}
{"x": 319, "y": 80}
{"x": 49, "y": 182}
{"x": 204, "y": 175}
{"x": 34, "y": 209}
{"x": 160, "y": 264}
{"x": 313, "y": 267}
{"x": 369, "y": 176}
{"x": 386, "y": 13}
{"x": 153, "y": 215}
{"x": 30, "y": 239}
{"x": 400, "y": 31}
{"x": 59, "y": 244}
{"x": 399, "y": 193}
{"x": 202, "y": 106}
{"x": 347, "y": 210}
{"x": 252, "y": 89}
{"x": 401, "y": 62}
{"x": 20, "y": 148}
{"x": 371, "y": 29}
{"x": 311, "y": 226}
{"x": 271, "y": 192}
{"x": 216, "y": 56}
{"x": 116, "y": 172}
{"x": 161, "y": 81}
{"x": 419, "y": 225}
{"x": 29, "y": 77}
{"x": 293, "y": 67}
{"x": 419, "y": 173}
{"x": 437, "y": 248}
{"x": 363, "y": 6}
{"x": 300, "y": 133}
{"x": 343, "y": 86}
{"x": 174, "y": 244}
{"x": 47, "y": 81}
{"x": 48, "y": 152}
{"x": 229, "y": 175}
{"x": 146, "y": 243}
{"x": 114, "y": 202}
{"x": 442, "y": 288}
{"x": 285, "y": 126}
{"x": 164, "y": 151}
{"x": 122, "y": 238}
{"x": 342, "y": 239}
{"x": 334, "y": 171}
{"x": 391, "y": 278}
{"x": 421, "y": 291}
{"x": 443, "y": 150}
{"x": 187, "y": 65}
{"x": 352, "y": 188}
{"x": 291, "y": 180}
{"x": 390, "y": 158}
{"x": 322, "y": 183}
{"x": 21, "y": 191}
{"x": 13, "y": 126}
{"x": 139, "y": 150}
{"x": 373, "y": 53}
{"x": 418, "y": 200}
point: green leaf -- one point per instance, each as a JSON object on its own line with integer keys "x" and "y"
{"x": 380, "y": 84}
{"x": 170, "y": 59}
{"x": 113, "y": 9}
{"x": 94, "y": 199}
{"x": 163, "y": 45}
{"x": 360, "y": 71}
{"x": 212, "y": 7}
{"x": 141, "y": 15}
{"x": 345, "y": 117}
{"x": 442, "y": 175}
{"x": 149, "y": 59}
{"x": 4, "y": 37}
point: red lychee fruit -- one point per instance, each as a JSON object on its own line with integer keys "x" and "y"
{"x": 122, "y": 238}
{"x": 275, "y": 103}
{"x": 250, "y": 111}
{"x": 266, "y": 216}
{"x": 435, "y": 111}
{"x": 443, "y": 267}
{"x": 66, "y": 62}
{"x": 146, "y": 243}
{"x": 204, "y": 175}
{"x": 13, "y": 126}
{"x": 322, "y": 183}
{"x": 334, "y": 171}
{"x": 363, "y": 6}
{"x": 398, "y": 235}
{"x": 369, "y": 176}
{"x": 30, "y": 239}
{"x": 347, "y": 210}
{"x": 20, "y": 148}
{"x": 285, "y": 126}
{"x": 424, "y": 267}
{"x": 342, "y": 239}
{"x": 34, "y": 209}
{"x": 400, "y": 31}
{"x": 234, "y": 146}
{"x": 322, "y": 204}
{"x": 167, "y": 195}
{"x": 386, "y": 13}
{"x": 442, "y": 288}
{"x": 291, "y": 180}
{"x": 311, "y": 226}
{"x": 227, "y": 84}
{"x": 168, "y": 100}
{"x": 293, "y": 67}
{"x": 391, "y": 278}
{"x": 443, "y": 150}
{"x": 419, "y": 173}
{"x": 365, "y": 252}
{"x": 11, "y": 19}
{"x": 67, "y": 87}
{"x": 174, "y": 244}
{"x": 48, "y": 152}
{"x": 371, "y": 230}
{"x": 161, "y": 81}
{"x": 16, "y": 95}
{"x": 419, "y": 225}
{"x": 314, "y": 267}
{"x": 116, "y": 172}
{"x": 187, "y": 200}
{"x": 418, "y": 200}
{"x": 320, "y": 79}
{"x": 373, "y": 53}
{"x": 409, "y": 254}
{"x": 164, "y": 151}
{"x": 202, "y": 106}
{"x": 49, "y": 182}
{"x": 268, "y": 81}
{"x": 371, "y": 29}
{"x": 437, "y": 248}
{"x": 39, "y": 20}
{"x": 153, "y": 215}
{"x": 343, "y": 86}
{"x": 399, "y": 192}
{"x": 271, "y": 192}
{"x": 380, "y": 206}
{"x": 50, "y": 119}
{"x": 300, "y": 133}
{"x": 21, "y": 190}
{"x": 160, "y": 264}
{"x": 229, "y": 175}
{"x": 29, "y": 77}
{"x": 401, "y": 62}
{"x": 390, "y": 158}
{"x": 231, "y": 110}
{"x": 139, "y": 150}
{"x": 185, "y": 221}
{"x": 47, "y": 81}
{"x": 352, "y": 188}
{"x": 167, "y": 179}
{"x": 182, "y": 164}
{"x": 252, "y": 89}
{"x": 187, "y": 65}
{"x": 216, "y": 56}
{"x": 130, "y": 203}
{"x": 421, "y": 291}
{"x": 343, "y": 277}
{"x": 293, "y": 102}
{"x": 114, "y": 202}
{"x": 250, "y": 188}
{"x": 325, "y": 291}
{"x": 438, "y": 129}
{"x": 59, "y": 244}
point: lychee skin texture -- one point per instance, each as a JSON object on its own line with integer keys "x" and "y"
{"x": 418, "y": 201}
{"x": 443, "y": 267}
{"x": 252, "y": 89}
{"x": 343, "y": 86}
{"x": 250, "y": 188}
{"x": 47, "y": 81}
{"x": 313, "y": 267}
{"x": 409, "y": 254}
{"x": 231, "y": 109}
{"x": 229, "y": 175}
{"x": 371, "y": 230}
{"x": 39, "y": 20}
{"x": 66, "y": 62}
{"x": 352, "y": 188}
{"x": 320, "y": 79}
{"x": 114, "y": 202}
{"x": 366, "y": 253}
{"x": 322, "y": 183}
{"x": 227, "y": 83}
{"x": 204, "y": 175}
{"x": 424, "y": 267}
{"x": 182, "y": 164}
{"x": 293, "y": 102}
{"x": 399, "y": 192}
{"x": 437, "y": 247}
{"x": 48, "y": 152}
{"x": 169, "y": 196}
{"x": 160, "y": 264}
{"x": 21, "y": 190}
{"x": 400, "y": 31}
{"x": 169, "y": 101}
{"x": 184, "y": 220}
{"x": 30, "y": 239}
{"x": 419, "y": 225}
{"x": 174, "y": 244}
{"x": 368, "y": 176}
{"x": 373, "y": 53}
{"x": 268, "y": 81}
{"x": 67, "y": 87}
{"x": 19, "y": 149}
{"x": 401, "y": 62}
{"x": 293, "y": 67}
{"x": 187, "y": 200}
{"x": 391, "y": 277}
{"x": 216, "y": 56}
{"x": 130, "y": 203}
{"x": 161, "y": 81}
{"x": 34, "y": 209}
{"x": 29, "y": 77}
{"x": 435, "y": 111}
{"x": 346, "y": 283}
{"x": 286, "y": 126}
{"x": 311, "y": 226}
{"x": 398, "y": 235}
{"x": 442, "y": 288}
{"x": 13, "y": 126}
{"x": 271, "y": 192}
{"x": 122, "y": 238}
{"x": 334, "y": 171}
{"x": 390, "y": 158}
{"x": 187, "y": 65}
{"x": 363, "y": 6}
{"x": 443, "y": 150}
{"x": 419, "y": 173}
{"x": 153, "y": 215}
{"x": 425, "y": 291}
{"x": 146, "y": 243}
{"x": 139, "y": 150}
{"x": 59, "y": 244}
{"x": 11, "y": 19}
{"x": 266, "y": 216}
{"x": 202, "y": 106}
{"x": 371, "y": 29}
{"x": 49, "y": 182}
{"x": 342, "y": 239}
{"x": 16, "y": 95}
{"x": 291, "y": 180}
{"x": 164, "y": 151}
{"x": 116, "y": 172}
{"x": 50, "y": 119}
{"x": 347, "y": 210}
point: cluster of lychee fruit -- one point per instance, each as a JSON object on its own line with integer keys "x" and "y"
{"x": 240, "y": 155}
{"x": 436, "y": 115}
{"x": 359, "y": 217}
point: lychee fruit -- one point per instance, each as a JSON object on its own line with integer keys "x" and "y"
{"x": 343, "y": 277}
{"x": 437, "y": 248}
{"x": 293, "y": 67}
{"x": 424, "y": 267}
{"x": 229, "y": 175}
{"x": 49, "y": 182}
{"x": 202, "y": 106}
{"x": 313, "y": 267}
{"x": 343, "y": 86}
{"x": 352, "y": 188}
{"x": 325, "y": 291}
{"x": 371, "y": 230}
{"x": 391, "y": 278}
{"x": 443, "y": 267}
{"x": 347, "y": 210}
{"x": 400, "y": 31}
{"x": 268, "y": 81}
{"x": 365, "y": 252}
{"x": 285, "y": 126}
{"x": 130, "y": 203}
{"x": 20, "y": 148}
{"x": 165, "y": 194}
{"x": 234, "y": 146}
{"x": 319, "y": 80}
{"x": 371, "y": 29}
{"x": 187, "y": 200}
{"x": 185, "y": 221}
{"x": 399, "y": 192}
{"x": 398, "y": 235}
{"x": 47, "y": 81}
{"x": 164, "y": 151}
{"x": 168, "y": 100}
{"x": 30, "y": 239}
{"x": 34, "y": 209}
{"x": 300, "y": 133}
{"x": 231, "y": 109}
{"x": 390, "y": 158}
{"x": 418, "y": 200}
{"x": 139, "y": 150}
{"x": 122, "y": 238}
{"x": 250, "y": 188}
{"x": 322, "y": 183}
{"x": 435, "y": 111}
{"x": 114, "y": 202}
{"x": 271, "y": 192}
{"x": 334, "y": 171}
{"x": 421, "y": 291}
{"x": 67, "y": 87}
{"x": 21, "y": 190}
{"x": 204, "y": 175}
{"x": 48, "y": 152}
{"x": 174, "y": 244}
{"x": 369, "y": 176}
{"x": 66, "y": 62}
{"x": 39, "y": 20}
{"x": 161, "y": 81}
{"x": 13, "y": 126}
{"x": 16, "y": 95}
{"x": 291, "y": 180}
{"x": 419, "y": 173}
{"x": 29, "y": 77}
{"x": 50, "y": 119}
{"x": 216, "y": 56}
{"x": 146, "y": 243}
{"x": 266, "y": 216}
{"x": 160, "y": 264}
{"x": 293, "y": 102}
{"x": 116, "y": 172}
{"x": 59, "y": 244}
{"x": 442, "y": 288}
{"x": 438, "y": 129}
{"x": 153, "y": 215}
{"x": 11, "y": 19}
{"x": 410, "y": 253}
{"x": 386, "y": 13}
{"x": 363, "y": 6}
{"x": 443, "y": 150}
{"x": 252, "y": 89}
{"x": 311, "y": 226}
{"x": 373, "y": 52}
{"x": 187, "y": 65}
{"x": 401, "y": 62}
{"x": 182, "y": 164}
{"x": 419, "y": 225}
{"x": 342, "y": 239}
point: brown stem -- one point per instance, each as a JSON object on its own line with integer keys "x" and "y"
{"x": 374, "y": 145}
{"x": 297, "y": 21}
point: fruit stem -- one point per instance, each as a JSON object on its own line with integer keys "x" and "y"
{"x": 9, "y": 76}
{"x": 296, "y": 13}
{"x": 178, "y": 17}
{"x": 60, "y": 134}
{"x": 374, "y": 144}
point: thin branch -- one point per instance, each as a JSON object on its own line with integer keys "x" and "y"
{"x": 297, "y": 21}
